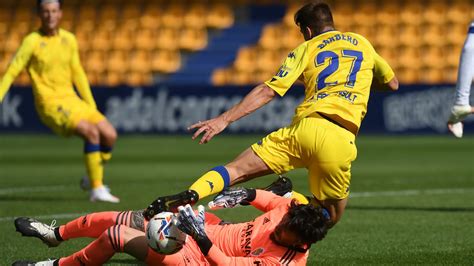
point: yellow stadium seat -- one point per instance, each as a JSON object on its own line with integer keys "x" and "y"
{"x": 151, "y": 17}
{"x": 113, "y": 78}
{"x": 366, "y": 13}
{"x": 435, "y": 12}
{"x": 408, "y": 57}
{"x": 241, "y": 78}
{"x": 386, "y": 36}
{"x": 167, "y": 38}
{"x": 450, "y": 74}
{"x": 193, "y": 39}
{"x": 219, "y": 16}
{"x": 431, "y": 75}
{"x": 433, "y": 35}
{"x": 11, "y": 44}
{"x": 388, "y": 13}
{"x": 432, "y": 57}
{"x": 165, "y": 61}
{"x": 292, "y": 38}
{"x": 412, "y": 13}
{"x": 172, "y": 17}
{"x": 121, "y": 40}
{"x": 144, "y": 40}
{"x": 220, "y": 77}
{"x": 195, "y": 17}
{"x": 459, "y": 12}
{"x": 95, "y": 62}
{"x": 134, "y": 78}
{"x": 409, "y": 35}
{"x": 269, "y": 38}
{"x": 23, "y": 79}
{"x": 408, "y": 75}
{"x": 101, "y": 40}
{"x": 245, "y": 60}
{"x": 267, "y": 60}
{"x": 139, "y": 62}
{"x": 117, "y": 62}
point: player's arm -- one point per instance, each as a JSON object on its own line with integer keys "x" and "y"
{"x": 193, "y": 225}
{"x": 258, "y": 97}
{"x": 260, "y": 199}
{"x": 79, "y": 77}
{"x": 18, "y": 63}
{"x": 384, "y": 77}
{"x": 262, "y": 94}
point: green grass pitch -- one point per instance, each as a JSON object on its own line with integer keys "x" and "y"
{"x": 412, "y": 199}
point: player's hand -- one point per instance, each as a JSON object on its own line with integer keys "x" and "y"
{"x": 229, "y": 198}
{"x": 190, "y": 223}
{"x": 210, "y": 128}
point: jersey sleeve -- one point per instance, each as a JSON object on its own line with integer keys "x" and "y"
{"x": 79, "y": 76}
{"x": 382, "y": 70}
{"x": 292, "y": 258}
{"x": 291, "y": 69}
{"x": 267, "y": 201}
{"x": 18, "y": 63}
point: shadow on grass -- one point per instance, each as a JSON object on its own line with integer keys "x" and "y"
{"x": 124, "y": 262}
{"x": 410, "y": 208}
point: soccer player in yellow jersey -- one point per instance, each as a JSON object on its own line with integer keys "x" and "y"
{"x": 338, "y": 70}
{"x": 51, "y": 57}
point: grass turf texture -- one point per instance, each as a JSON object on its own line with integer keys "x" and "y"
{"x": 420, "y": 209}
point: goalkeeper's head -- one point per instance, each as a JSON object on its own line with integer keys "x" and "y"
{"x": 50, "y": 14}
{"x": 301, "y": 226}
{"x": 313, "y": 19}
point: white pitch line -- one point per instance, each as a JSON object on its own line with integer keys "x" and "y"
{"x": 352, "y": 195}
{"x": 14, "y": 190}
{"x": 409, "y": 192}
{"x": 51, "y": 216}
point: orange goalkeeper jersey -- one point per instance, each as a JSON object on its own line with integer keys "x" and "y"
{"x": 249, "y": 243}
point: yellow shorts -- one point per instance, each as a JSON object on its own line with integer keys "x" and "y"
{"x": 63, "y": 115}
{"x": 325, "y": 149}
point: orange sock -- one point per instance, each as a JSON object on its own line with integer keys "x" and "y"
{"x": 94, "y": 224}
{"x": 99, "y": 251}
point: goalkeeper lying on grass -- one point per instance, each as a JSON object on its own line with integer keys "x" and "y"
{"x": 282, "y": 235}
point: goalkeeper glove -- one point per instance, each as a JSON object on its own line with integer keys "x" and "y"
{"x": 230, "y": 197}
{"x": 193, "y": 225}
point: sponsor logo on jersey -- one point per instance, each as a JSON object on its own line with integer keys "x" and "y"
{"x": 257, "y": 252}
{"x": 291, "y": 55}
{"x": 247, "y": 238}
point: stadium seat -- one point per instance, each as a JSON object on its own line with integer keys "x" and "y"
{"x": 195, "y": 16}
{"x": 269, "y": 38}
{"x": 219, "y": 16}
{"x": 165, "y": 61}
{"x": 192, "y": 39}
{"x": 143, "y": 40}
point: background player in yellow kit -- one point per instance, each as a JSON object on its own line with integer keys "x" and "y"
{"x": 51, "y": 57}
{"x": 337, "y": 70}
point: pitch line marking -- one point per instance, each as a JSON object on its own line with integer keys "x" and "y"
{"x": 13, "y": 190}
{"x": 352, "y": 195}
{"x": 409, "y": 192}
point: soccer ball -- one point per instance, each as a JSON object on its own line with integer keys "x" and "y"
{"x": 162, "y": 234}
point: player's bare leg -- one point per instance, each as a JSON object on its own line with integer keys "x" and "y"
{"x": 93, "y": 160}
{"x": 246, "y": 167}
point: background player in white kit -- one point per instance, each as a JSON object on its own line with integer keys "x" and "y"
{"x": 461, "y": 107}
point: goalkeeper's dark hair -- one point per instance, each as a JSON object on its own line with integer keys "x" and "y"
{"x": 38, "y": 4}
{"x": 307, "y": 222}
{"x": 315, "y": 15}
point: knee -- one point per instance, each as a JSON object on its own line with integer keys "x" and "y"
{"x": 91, "y": 134}
{"x": 115, "y": 236}
{"x": 109, "y": 134}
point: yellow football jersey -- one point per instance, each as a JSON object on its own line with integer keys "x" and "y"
{"x": 337, "y": 70}
{"x": 53, "y": 65}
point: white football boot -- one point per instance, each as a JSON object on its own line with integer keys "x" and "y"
{"x": 102, "y": 194}
{"x": 458, "y": 113}
{"x": 456, "y": 129}
{"x": 31, "y": 227}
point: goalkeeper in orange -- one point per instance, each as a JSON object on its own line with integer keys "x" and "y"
{"x": 282, "y": 235}
{"x": 51, "y": 58}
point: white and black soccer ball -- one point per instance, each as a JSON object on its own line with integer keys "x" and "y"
{"x": 162, "y": 234}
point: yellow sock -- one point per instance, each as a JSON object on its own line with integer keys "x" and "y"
{"x": 211, "y": 182}
{"x": 299, "y": 197}
{"x": 105, "y": 156}
{"x": 105, "y": 153}
{"x": 93, "y": 160}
